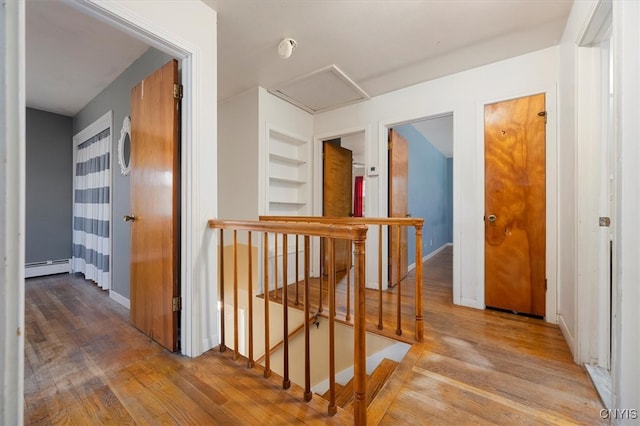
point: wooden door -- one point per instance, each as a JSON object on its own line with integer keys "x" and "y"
{"x": 515, "y": 205}
{"x": 155, "y": 182}
{"x": 336, "y": 199}
{"x": 398, "y": 205}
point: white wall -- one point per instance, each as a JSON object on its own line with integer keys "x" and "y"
{"x": 355, "y": 143}
{"x": 464, "y": 94}
{"x": 238, "y": 157}
{"x": 626, "y": 327}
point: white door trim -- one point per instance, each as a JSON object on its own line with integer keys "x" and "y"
{"x": 12, "y": 211}
{"x": 592, "y": 331}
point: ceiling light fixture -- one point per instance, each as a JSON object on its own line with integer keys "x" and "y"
{"x": 286, "y": 47}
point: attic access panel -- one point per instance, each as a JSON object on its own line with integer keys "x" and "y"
{"x": 321, "y": 90}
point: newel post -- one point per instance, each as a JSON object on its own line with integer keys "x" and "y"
{"x": 418, "y": 285}
{"x": 359, "y": 337}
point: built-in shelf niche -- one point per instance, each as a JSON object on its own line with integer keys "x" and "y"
{"x": 288, "y": 192}
{"x": 289, "y": 183}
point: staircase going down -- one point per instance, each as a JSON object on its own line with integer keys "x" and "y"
{"x": 375, "y": 382}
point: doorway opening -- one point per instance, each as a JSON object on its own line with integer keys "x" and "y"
{"x": 343, "y": 187}
{"x": 120, "y": 184}
{"x": 420, "y": 184}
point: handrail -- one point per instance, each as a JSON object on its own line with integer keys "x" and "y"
{"x": 398, "y": 222}
{"x": 341, "y": 231}
{"x": 356, "y": 233}
{"x": 342, "y": 220}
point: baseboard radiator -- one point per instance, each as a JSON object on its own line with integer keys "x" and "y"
{"x": 47, "y": 267}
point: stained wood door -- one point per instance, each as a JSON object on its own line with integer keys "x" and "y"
{"x": 154, "y": 204}
{"x": 398, "y": 205}
{"x": 337, "y": 199}
{"x": 515, "y": 205}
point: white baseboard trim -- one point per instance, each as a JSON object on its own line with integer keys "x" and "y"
{"x": 430, "y": 255}
{"x": 120, "y": 299}
{"x": 49, "y": 267}
{"x": 374, "y": 285}
{"x": 567, "y": 336}
{"x": 470, "y": 303}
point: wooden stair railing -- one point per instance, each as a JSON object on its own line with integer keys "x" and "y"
{"x": 330, "y": 232}
{"x": 392, "y": 224}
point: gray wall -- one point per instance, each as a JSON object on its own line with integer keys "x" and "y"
{"x": 117, "y": 97}
{"x": 49, "y": 186}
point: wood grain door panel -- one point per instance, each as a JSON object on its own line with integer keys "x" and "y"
{"x": 398, "y": 205}
{"x": 515, "y": 205}
{"x": 154, "y": 203}
{"x": 337, "y": 193}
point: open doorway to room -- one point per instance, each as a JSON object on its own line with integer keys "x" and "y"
{"x": 420, "y": 182}
{"x": 43, "y": 23}
{"x": 343, "y": 185}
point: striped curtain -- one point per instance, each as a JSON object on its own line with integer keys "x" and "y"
{"x": 92, "y": 209}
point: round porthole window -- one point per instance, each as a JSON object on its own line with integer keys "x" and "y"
{"x": 124, "y": 147}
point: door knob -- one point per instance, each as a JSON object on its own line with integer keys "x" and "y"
{"x": 129, "y": 218}
{"x": 492, "y": 218}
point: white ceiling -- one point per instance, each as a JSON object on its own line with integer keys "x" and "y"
{"x": 70, "y": 57}
{"x": 380, "y": 45}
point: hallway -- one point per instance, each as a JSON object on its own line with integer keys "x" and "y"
{"x": 85, "y": 364}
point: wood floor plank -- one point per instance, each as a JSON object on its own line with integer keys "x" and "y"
{"x": 128, "y": 390}
{"x": 404, "y": 412}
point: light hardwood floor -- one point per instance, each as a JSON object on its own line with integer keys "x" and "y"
{"x": 85, "y": 364}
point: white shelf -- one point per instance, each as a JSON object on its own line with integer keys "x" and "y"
{"x": 286, "y": 159}
{"x": 287, "y": 180}
{"x": 286, "y": 202}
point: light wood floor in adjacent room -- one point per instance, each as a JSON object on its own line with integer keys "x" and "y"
{"x": 85, "y": 365}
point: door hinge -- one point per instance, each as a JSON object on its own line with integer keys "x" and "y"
{"x": 389, "y": 145}
{"x": 543, "y": 114}
{"x": 177, "y": 91}
{"x": 176, "y": 304}
{"x": 545, "y": 284}
{"x": 604, "y": 221}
